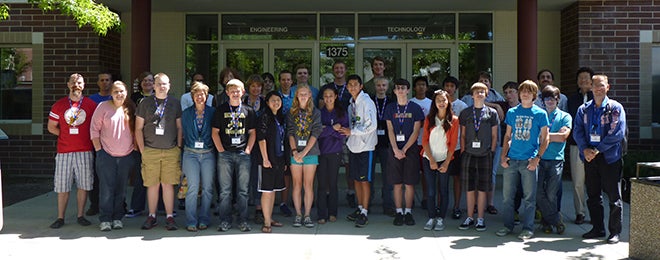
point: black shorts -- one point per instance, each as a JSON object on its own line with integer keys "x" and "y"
{"x": 406, "y": 170}
{"x": 271, "y": 179}
{"x": 477, "y": 172}
{"x": 361, "y": 165}
{"x": 455, "y": 164}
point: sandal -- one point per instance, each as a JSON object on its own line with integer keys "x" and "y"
{"x": 266, "y": 229}
{"x": 276, "y": 223}
{"x": 491, "y": 209}
{"x": 191, "y": 228}
{"x": 203, "y": 226}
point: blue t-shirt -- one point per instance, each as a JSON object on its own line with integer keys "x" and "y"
{"x": 98, "y": 98}
{"x": 526, "y": 124}
{"x": 403, "y": 119}
{"x": 558, "y": 119}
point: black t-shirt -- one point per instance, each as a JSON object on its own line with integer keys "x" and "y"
{"x": 383, "y": 141}
{"x": 234, "y": 123}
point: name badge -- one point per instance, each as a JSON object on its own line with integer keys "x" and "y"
{"x": 160, "y": 131}
{"x": 595, "y": 138}
{"x": 380, "y": 132}
{"x": 282, "y": 148}
{"x": 73, "y": 131}
{"x": 476, "y": 144}
{"x": 236, "y": 140}
{"x": 302, "y": 142}
{"x": 400, "y": 138}
{"x": 199, "y": 145}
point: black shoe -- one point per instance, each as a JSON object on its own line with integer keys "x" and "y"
{"x": 92, "y": 211}
{"x": 83, "y": 221}
{"x": 408, "y": 218}
{"x": 457, "y": 214}
{"x": 149, "y": 223}
{"x": 579, "y": 219}
{"x": 594, "y": 234}
{"x": 350, "y": 198}
{"x": 284, "y": 209}
{"x": 353, "y": 216}
{"x": 57, "y": 224}
{"x": 361, "y": 220}
{"x": 398, "y": 219}
{"x": 466, "y": 224}
{"x": 613, "y": 239}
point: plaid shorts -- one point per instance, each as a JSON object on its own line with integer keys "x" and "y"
{"x": 78, "y": 166}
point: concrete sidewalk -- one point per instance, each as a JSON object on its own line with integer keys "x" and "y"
{"x": 26, "y": 235}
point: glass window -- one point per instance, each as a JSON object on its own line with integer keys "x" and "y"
{"x": 202, "y": 58}
{"x": 475, "y": 26}
{"x": 202, "y": 27}
{"x": 16, "y": 83}
{"x": 246, "y": 61}
{"x": 337, "y": 27}
{"x": 473, "y": 58}
{"x": 331, "y": 52}
{"x": 406, "y": 26}
{"x": 434, "y": 64}
{"x": 269, "y": 27}
{"x": 656, "y": 85}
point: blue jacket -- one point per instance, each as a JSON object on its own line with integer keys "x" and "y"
{"x": 611, "y": 128}
{"x": 190, "y": 132}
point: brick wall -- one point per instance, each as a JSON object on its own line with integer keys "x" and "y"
{"x": 67, "y": 49}
{"x": 604, "y": 35}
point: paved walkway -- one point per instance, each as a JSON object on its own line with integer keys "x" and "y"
{"x": 26, "y": 235}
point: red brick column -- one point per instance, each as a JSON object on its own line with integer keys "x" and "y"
{"x": 527, "y": 39}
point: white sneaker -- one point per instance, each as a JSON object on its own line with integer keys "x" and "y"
{"x": 117, "y": 224}
{"x": 105, "y": 226}
{"x": 439, "y": 224}
{"x": 429, "y": 224}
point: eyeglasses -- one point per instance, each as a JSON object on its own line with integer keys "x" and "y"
{"x": 549, "y": 99}
{"x": 401, "y": 87}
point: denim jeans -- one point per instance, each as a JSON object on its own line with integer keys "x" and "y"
{"x": 113, "y": 179}
{"x": 199, "y": 168}
{"x": 436, "y": 181}
{"x": 515, "y": 174}
{"x": 549, "y": 180}
{"x": 233, "y": 165}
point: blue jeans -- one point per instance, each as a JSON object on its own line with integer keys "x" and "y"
{"x": 199, "y": 168}
{"x": 436, "y": 181}
{"x": 113, "y": 179}
{"x": 233, "y": 165}
{"x": 549, "y": 181}
{"x": 515, "y": 174}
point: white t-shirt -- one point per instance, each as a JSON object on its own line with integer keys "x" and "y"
{"x": 438, "y": 142}
{"x": 425, "y": 104}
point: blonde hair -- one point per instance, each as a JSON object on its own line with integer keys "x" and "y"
{"x": 128, "y": 106}
{"x": 478, "y": 86}
{"x": 199, "y": 86}
{"x": 309, "y": 108}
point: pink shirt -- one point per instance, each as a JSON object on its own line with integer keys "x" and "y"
{"x": 109, "y": 124}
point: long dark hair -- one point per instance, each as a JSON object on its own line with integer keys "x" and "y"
{"x": 339, "y": 109}
{"x": 434, "y": 111}
{"x": 279, "y": 115}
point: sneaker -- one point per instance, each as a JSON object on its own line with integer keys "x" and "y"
{"x": 503, "y": 232}
{"x": 297, "y": 222}
{"x": 480, "y": 226}
{"x": 224, "y": 226}
{"x": 285, "y": 211}
{"x": 526, "y": 234}
{"x": 457, "y": 214}
{"x": 353, "y": 216}
{"x": 92, "y": 211}
{"x": 560, "y": 228}
{"x": 149, "y": 223}
{"x": 105, "y": 226}
{"x": 83, "y": 221}
{"x": 308, "y": 222}
{"x": 361, "y": 220}
{"x": 170, "y": 224}
{"x": 579, "y": 219}
{"x": 133, "y": 213}
{"x": 439, "y": 224}
{"x": 398, "y": 220}
{"x": 613, "y": 239}
{"x": 117, "y": 224}
{"x": 409, "y": 220}
{"x": 466, "y": 224}
{"x": 350, "y": 198}
{"x": 57, "y": 224}
{"x": 593, "y": 233}
{"x": 429, "y": 224}
{"x": 244, "y": 227}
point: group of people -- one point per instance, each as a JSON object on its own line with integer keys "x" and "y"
{"x": 250, "y": 141}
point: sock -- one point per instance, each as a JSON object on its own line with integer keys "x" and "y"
{"x": 170, "y": 215}
{"x": 282, "y": 204}
{"x": 399, "y": 211}
{"x": 360, "y": 207}
{"x": 480, "y": 221}
{"x": 408, "y": 210}
{"x": 364, "y": 211}
{"x": 152, "y": 215}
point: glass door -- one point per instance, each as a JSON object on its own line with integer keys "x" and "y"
{"x": 247, "y": 59}
{"x": 286, "y": 56}
{"x": 391, "y": 67}
{"x": 433, "y": 61}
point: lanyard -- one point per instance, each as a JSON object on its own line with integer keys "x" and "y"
{"x": 380, "y": 110}
{"x": 343, "y": 88}
{"x": 160, "y": 111}
{"x": 199, "y": 120}
{"x": 235, "y": 115}
{"x": 353, "y": 112}
{"x": 73, "y": 119}
{"x": 302, "y": 117}
{"x": 477, "y": 121}
{"x": 595, "y": 119}
{"x": 401, "y": 116}
{"x": 280, "y": 131}
{"x": 553, "y": 116}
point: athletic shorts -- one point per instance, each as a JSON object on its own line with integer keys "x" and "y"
{"x": 406, "y": 170}
{"x": 78, "y": 166}
{"x": 361, "y": 166}
{"x": 161, "y": 166}
{"x": 271, "y": 179}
